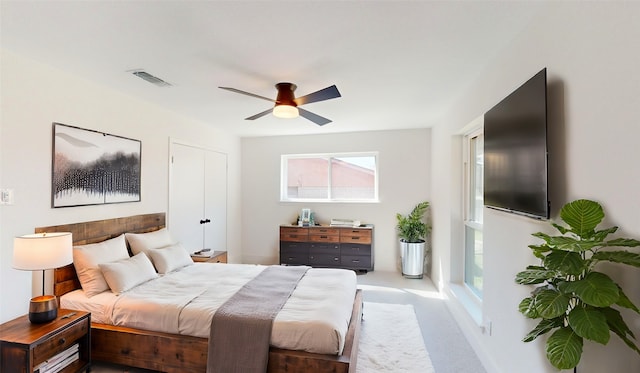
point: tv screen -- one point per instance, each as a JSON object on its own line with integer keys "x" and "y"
{"x": 515, "y": 151}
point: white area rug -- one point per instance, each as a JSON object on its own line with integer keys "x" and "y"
{"x": 391, "y": 341}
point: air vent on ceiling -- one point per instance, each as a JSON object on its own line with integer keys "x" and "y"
{"x": 150, "y": 78}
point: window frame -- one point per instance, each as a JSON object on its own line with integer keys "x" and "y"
{"x": 469, "y": 221}
{"x": 328, "y": 156}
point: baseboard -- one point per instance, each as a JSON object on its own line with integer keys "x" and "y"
{"x": 470, "y": 322}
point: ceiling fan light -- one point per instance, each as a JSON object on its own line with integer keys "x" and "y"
{"x": 285, "y": 111}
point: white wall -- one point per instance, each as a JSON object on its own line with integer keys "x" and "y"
{"x": 404, "y": 179}
{"x": 34, "y": 96}
{"x": 592, "y": 55}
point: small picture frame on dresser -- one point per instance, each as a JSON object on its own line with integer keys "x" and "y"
{"x": 305, "y": 217}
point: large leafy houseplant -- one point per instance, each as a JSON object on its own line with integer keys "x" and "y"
{"x": 412, "y": 228}
{"x": 575, "y": 301}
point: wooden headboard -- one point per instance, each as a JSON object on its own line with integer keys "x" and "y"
{"x": 65, "y": 278}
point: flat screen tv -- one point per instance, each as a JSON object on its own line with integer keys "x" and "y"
{"x": 515, "y": 151}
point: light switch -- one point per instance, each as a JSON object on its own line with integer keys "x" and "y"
{"x": 6, "y": 196}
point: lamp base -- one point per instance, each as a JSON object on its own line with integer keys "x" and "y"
{"x": 43, "y": 309}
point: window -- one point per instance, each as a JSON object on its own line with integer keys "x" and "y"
{"x": 329, "y": 177}
{"x": 474, "y": 172}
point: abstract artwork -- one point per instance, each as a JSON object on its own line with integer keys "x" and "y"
{"x": 91, "y": 167}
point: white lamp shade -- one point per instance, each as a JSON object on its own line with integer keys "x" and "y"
{"x": 42, "y": 251}
{"x": 285, "y": 111}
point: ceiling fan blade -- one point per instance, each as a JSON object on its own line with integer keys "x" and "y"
{"x": 247, "y": 93}
{"x": 321, "y": 95}
{"x": 259, "y": 115}
{"x": 315, "y": 118}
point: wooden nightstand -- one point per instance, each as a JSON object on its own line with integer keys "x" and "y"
{"x": 217, "y": 257}
{"x": 23, "y": 345}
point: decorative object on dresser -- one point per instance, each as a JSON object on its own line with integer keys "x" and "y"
{"x": 209, "y": 256}
{"x": 322, "y": 246}
{"x": 42, "y": 251}
{"x": 412, "y": 231}
{"x": 63, "y": 345}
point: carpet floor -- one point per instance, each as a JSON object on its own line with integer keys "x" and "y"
{"x": 390, "y": 340}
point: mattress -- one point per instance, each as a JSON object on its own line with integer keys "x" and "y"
{"x": 314, "y": 319}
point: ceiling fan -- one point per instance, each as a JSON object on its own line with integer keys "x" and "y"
{"x": 287, "y": 105}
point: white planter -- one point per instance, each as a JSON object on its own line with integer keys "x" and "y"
{"x": 412, "y": 256}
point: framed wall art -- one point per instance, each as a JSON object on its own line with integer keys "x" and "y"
{"x": 91, "y": 167}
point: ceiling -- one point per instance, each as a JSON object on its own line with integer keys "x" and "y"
{"x": 397, "y": 64}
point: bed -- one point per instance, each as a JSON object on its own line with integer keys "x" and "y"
{"x": 171, "y": 352}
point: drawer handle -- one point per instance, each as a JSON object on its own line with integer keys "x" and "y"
{"x": 355, "y": 238}
{"x": 355, "y": 261}
{"x": 323, "y": 236}
{"x": 336, "y": 259}
{"x": 62, "y": 341}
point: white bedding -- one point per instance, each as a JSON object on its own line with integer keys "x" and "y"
{"x": 314, "y": 319}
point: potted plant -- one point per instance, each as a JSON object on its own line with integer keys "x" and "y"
{"x": 412, "y": 231}
{"x": 574, "y": 301}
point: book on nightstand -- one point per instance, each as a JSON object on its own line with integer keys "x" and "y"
{"x": 59, "y": 361}
{"x": 204, "y": 253}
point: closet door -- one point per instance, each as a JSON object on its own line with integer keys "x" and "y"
{"x": 215, "y": 231}
{"x": 198, "y": 197}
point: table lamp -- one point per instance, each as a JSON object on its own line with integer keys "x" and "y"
{"x": 42, "y": 251}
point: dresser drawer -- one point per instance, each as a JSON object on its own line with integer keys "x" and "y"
{"x": 356, "y": 261}
{"x": 324, "y": 231}
{"x": 323, "y": 238}
{"x": 355, "y": 249}
{"x": 356, "y": 236}
{"x": 294, "y": 234}
{"x": 327, "y": 260}
{"x": 295, "y": 246}
{"x": 60, "y": 341}
{"x": 326, "y": 248}
{"x": 294, "y": 256}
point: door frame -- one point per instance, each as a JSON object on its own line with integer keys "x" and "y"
{"x": 175, "y": 141}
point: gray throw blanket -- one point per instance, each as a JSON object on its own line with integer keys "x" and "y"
{"x": 241, "y": 327}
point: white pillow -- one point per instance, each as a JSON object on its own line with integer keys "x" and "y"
{"x": 87, "y": 258}
{"x": 142, "y": 242}
{"x": 126, "y": 274}
{"x": 170, "y": 258}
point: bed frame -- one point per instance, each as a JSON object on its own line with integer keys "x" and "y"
{"x": 178, "y": 353}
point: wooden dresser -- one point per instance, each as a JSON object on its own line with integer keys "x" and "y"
{"x": 323, "y": 246}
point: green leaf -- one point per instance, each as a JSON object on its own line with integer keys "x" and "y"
{"x": 526, "y": 308}
{"x": 540, "y": 268}
{"x": 618, "y": 326}
{"x": 412, "y": 228}
{"x": 550, "y": 303}
{"x": 564, "y": 348}
{"x": 571, "y": 244}
{"x": 560, "y": 228}
{"x": 567, "y": 262}
{"x": 602, "y": 234}
{"x": 625, "y": 302}
{"x": 539, "y": 250}
{"x": 543, "y": 327}
{"x": 622, "y": 242}
{"x": 589, "y": 323}
{"x": 595, "y": 289}
{"x": 541, "y": 235}
{"x": 534, "y": 276}
{"x": 583, "y": 216}
{"x": 624, "y": 257}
